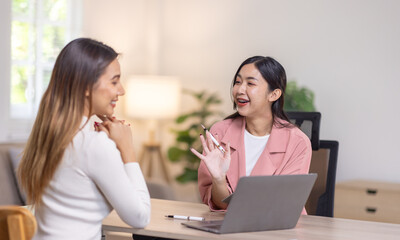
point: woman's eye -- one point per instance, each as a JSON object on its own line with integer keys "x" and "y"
{"x": 236, "y": 82}
{"x": 114, "y": 83}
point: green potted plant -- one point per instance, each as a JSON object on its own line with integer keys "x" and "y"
{"x": 300, "y": 99}
{"x": 188, "y": 137}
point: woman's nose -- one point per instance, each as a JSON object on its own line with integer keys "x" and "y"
{"x": 242, "y": 88}
{"x": 121, "y": 91}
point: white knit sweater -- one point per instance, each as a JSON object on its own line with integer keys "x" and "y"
{"x": 88, "y": 184}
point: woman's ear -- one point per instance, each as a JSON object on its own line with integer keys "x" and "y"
{"x": 87, "y": 93}
{"x": 275, "y": 95}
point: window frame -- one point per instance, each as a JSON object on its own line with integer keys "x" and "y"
{"x": 13, "y": 128}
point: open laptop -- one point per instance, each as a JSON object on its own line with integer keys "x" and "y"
{"x": 263, "y": 203}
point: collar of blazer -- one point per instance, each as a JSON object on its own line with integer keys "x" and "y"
{"x": 277, "y": 141}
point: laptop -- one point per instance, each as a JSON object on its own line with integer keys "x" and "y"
{"x": 262, "y": 203}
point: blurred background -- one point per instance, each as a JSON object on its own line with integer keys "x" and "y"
{"x": 346, "y": 52}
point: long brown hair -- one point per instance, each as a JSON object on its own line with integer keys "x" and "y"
{"x": 78, "y": 67}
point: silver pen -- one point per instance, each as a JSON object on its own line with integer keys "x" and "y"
{"x": 214, "y": 140}
{"x": 191, "y": 218}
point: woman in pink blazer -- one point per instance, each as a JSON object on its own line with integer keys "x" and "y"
{"x": 258, "y": 138}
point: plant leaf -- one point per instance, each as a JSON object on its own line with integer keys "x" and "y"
{"x": 298, "y": 98}
{"x": 189, "y": 136}
{"x": 187, "y": 176}
{"x": 186, "y": 139}
{"x": 175, "y": 154}
{"x": 181, "y": 118}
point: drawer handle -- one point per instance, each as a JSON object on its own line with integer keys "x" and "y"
{"x": 370, "y": 209}
{"x": 372, "y": 191}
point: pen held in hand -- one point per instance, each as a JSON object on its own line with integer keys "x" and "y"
{"x": 191, "y": 218}
{"x": 214, "y": 140}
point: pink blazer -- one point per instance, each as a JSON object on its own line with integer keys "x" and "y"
{"x": 288, "y": 151}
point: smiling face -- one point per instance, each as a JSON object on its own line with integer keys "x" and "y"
{"x": 106, "y": 90}
{"x": 251, "y": 93}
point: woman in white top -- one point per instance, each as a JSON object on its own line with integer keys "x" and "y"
{"x": 72, "y": 175}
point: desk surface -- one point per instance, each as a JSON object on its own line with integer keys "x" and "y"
{"x": 308, "y": 227}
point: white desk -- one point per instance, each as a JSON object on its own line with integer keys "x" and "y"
{"x": 308, "y": 227}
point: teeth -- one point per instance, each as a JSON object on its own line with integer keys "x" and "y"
{"x": 242, "y": 101}
{"x": 113, "y": 102}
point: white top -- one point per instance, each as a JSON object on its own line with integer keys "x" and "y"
{"x": 88, "y": 184}
{"x": 253, "y": 147}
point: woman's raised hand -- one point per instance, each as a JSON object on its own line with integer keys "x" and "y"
{"x": 121, "y": 134}
{"x": 217, "y": 162}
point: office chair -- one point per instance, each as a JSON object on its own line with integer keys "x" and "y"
{"x": 323, "y": 162}
{"x": 160, "y": 190}
{"x": 16, "y": 223}
{"x": 309, "y": 123}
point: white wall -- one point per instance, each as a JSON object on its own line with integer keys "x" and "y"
{"x": 123, "y": 25}
{"x": 348, "y": 52}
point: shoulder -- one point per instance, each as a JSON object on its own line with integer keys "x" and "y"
{"x": 294, "y": 134}
{"x": 102, "y": 144}
{"x": 222, "y": 126}
{"x": 300, "y": 136}
{"x": 95, "y": 145}
{"x": 299, "y": 140}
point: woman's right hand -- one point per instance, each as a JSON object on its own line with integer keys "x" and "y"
{"x": 217, "y": 162}
{"x": 121, "y": 134}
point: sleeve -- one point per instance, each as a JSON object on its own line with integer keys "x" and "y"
{"x": 299, "y": 157}
{"x": 205, "y": 179}
{"x": 123, "y": 185}
{"x": 299, "y": 160}
{"x": 205, "y": 184}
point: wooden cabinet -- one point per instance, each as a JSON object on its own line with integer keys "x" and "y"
{"x": 368, "y": 200}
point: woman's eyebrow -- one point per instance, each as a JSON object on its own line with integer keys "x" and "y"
{"x": 247, "y": 78}
{"x": 116, "y": 76}
{"x": 251, "y": 78}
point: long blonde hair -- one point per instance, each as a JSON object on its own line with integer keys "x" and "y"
{"x": 77, "y": 68}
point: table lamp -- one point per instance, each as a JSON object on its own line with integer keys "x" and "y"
{"x": 152, "y": 98}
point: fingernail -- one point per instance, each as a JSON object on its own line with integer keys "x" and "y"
{"x": 96, "y": 124}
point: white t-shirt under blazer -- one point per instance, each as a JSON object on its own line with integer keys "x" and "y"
{"x": 90, "y": 181}
{"x": 253, "y": 147}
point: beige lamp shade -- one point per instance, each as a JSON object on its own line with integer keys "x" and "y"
{"x": 152, "y": 97}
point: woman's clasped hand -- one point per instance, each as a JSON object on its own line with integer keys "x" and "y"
{"x": 120, "y": 132}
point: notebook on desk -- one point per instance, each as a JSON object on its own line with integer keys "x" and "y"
{"x": 263, "y": 203}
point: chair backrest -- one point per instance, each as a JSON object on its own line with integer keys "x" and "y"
{"x": 16, "y": 223}
{"x": 323, "y": 162}
{"x": 160, "y": 190}
{"x": 309, "y": 123}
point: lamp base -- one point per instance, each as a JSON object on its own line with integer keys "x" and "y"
{"x": 148, "y": 151}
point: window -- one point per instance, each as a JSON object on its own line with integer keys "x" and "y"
{"x": 39, "y": 30}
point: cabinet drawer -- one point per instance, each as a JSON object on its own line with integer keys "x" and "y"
{"x": 368, "y": 201}
{"x": 368, "y": 197}
{"x": 369, "y": 213}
